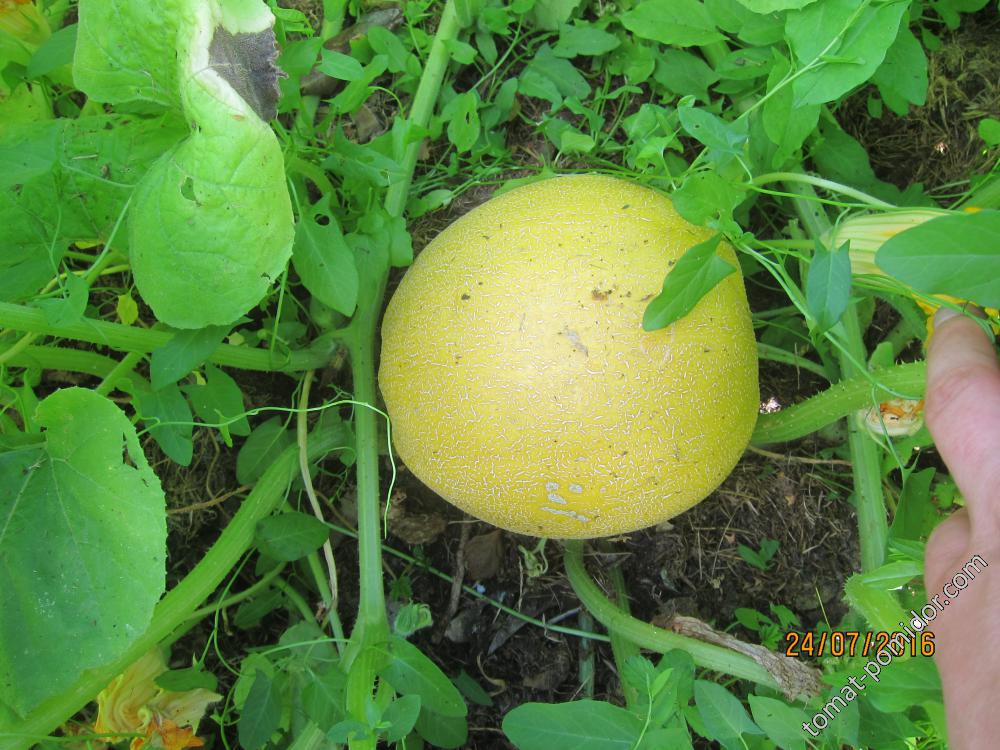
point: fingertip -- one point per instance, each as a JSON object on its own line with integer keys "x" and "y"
{"x": 963, "y": 404}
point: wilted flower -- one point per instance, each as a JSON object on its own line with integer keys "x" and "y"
{"x": 23, "y": 21}
{"x": 134, "y": 704}
{"x": 897, "y": 417}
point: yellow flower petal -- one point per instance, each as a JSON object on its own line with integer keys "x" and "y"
{"x": 120, "y": 703}
{"x": 134, "y": 704}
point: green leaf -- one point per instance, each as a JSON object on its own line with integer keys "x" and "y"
{"x": 27, "y": 151}
{"x": 126, "y": 309}
{"x": 683, "y": 73}
{"x": 290, "y": 536}
{"x": 955, "y": 255}
{"x": 675, "y": 738}
{"x": 705, "y": 196}
{"x": 828, "y": 286}
{"x": 746, "y": 64}
{"x": 167, "y": 416}
{"x": 340, "y": 66}
{"x": 212, "y": 216}
{"x": 916, "y": 515}
{"x": 401, "y": 715}
{"x": 584, "y": 39}
{"x": 890, "y": 731}
{"x": 463, "y": 120}
{"x": 98, "y": 160}
{"x": 725, "y": 718}
{"x": 765, "y": 7}
{"x": 267, "y": 440}
{"x": 472, "y": 690}
{"x": 410, "y": 672}
{"x": 323, "y": 696}
{"x": 261, "y": 714}
{"x": 219, "y": 402}
{"x": 695, "y": 274}
{"x": 131, "y": 71}
{"x": 989, "y": 131}
{"x": 411, "y": 617}
{"x": 54, "y": 53}
{"x": 185, "y": 351}
{"x": 878, "y": 606}
{"x": 711, "y": 130}
{"x": 781, "y": 723}
{"x": 906, "y": 683}
{"x": 840, "y": 157}
{"x": 902, "y": 76}
{"x": 551, "y": 78}
{"x": 443, "y": 731}
{"x": 251, "y": 612}
{"x": 786, "y": 124}
{"x": 62, "y": 311}
{"x": 192, "y": 678}
{"x": 551, "y": 14}
{"x": 83, "y": 544}
{"x": 581, "y": 725}
{"x": 324, "y": 262}
{"x": 847, "y": 58}
{"x": 681, "y": 23}
{"x": 384, "y": 42}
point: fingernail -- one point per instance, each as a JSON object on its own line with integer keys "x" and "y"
{"x": 944, "y": 314}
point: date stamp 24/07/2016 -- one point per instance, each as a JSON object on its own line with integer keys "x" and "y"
{"x": 856, "y": 643}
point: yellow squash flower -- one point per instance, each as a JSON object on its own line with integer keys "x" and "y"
{"x": 163, "y": 719}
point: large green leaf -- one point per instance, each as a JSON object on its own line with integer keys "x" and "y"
{"x": 956, "y": 255}
{"x": 847, "y": 45}
{"x": 122, "y": 50}
{"x": 81, "y": 195}
{"x": 82, "y": 547}
{"x": 212, "y": 217}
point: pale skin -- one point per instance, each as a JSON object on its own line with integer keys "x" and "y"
{"x": 963, "y": 415}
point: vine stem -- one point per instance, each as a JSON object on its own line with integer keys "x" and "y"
{"x": 839, "y": 400}
{"x": 833, "y": 187}
{"x": 330, "y": 594}
{"x": 144, "y": 340}
{"x": 873, "y": 527}
{"x": 176, "y": 608}
{"x": 645, "y": 635}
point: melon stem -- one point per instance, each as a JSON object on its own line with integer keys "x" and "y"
{"x": 645, "y": 635}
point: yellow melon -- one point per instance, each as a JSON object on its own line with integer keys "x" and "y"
{"x": 519, "y": 380}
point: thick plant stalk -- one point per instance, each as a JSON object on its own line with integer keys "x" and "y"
{"x": 873, "y": 528}
{"x": 175, "y": 609}
{"x": 839, "y": 400}
{"x": 372, "y": 626}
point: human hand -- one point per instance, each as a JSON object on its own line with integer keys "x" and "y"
{"x": 963, "y": 415}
